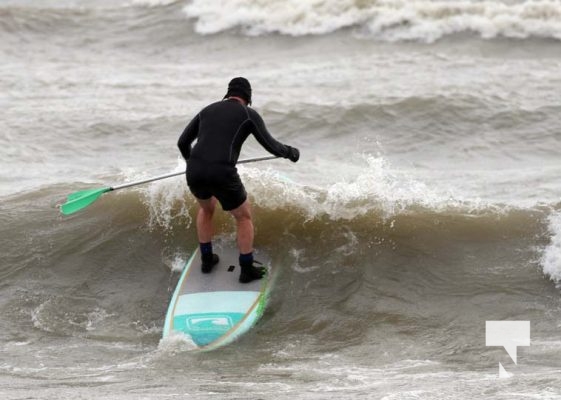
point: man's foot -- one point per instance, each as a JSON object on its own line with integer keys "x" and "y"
{"x": 250, "y": 273}
{"x": 209, "y": 261}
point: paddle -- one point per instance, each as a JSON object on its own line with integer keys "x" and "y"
{"x": 83, "y": 198}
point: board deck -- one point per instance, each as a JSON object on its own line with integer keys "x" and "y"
{"x": 215, "y": 309}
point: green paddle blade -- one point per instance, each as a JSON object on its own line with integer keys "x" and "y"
{"x": 78, "y": 200}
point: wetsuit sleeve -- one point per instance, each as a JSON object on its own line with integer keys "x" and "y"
{"x": 264, "y": 137}
{"x": 188, "y": 136}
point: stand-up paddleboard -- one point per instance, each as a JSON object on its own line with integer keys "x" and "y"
{"x": 215, "y": 309}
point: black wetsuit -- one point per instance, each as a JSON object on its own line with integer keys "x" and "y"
{"x": 220, "y": 129}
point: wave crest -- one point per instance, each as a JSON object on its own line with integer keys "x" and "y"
{"x": 376, "y": 189}
{"x": 388, "y": 20}
{"x": 551, "y": 258}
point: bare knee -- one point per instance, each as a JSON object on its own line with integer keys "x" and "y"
{"x": 242, "y": 213}
{"x": 207, "y": 212}
{"x": 207, "y": 207}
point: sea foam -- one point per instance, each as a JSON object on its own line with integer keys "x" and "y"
{"x": 389, "y": 20}
{"x": 376, "y": 188}
{"x": 551, "y": 258}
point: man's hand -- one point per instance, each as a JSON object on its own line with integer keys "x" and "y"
{"x": 293, "y": 154}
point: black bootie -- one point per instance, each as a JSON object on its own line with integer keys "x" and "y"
{"x": 208, "y": 261}
{"x": 250, "y": 272}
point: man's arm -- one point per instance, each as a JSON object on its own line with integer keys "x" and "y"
{"x": 268, "y": 142}
{"x": 188, "y": 136}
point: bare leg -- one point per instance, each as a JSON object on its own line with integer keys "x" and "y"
{"x": 242, "y": 214}
{"x": 249, "y": 273}
{"x": 204, "y": 219}
{"x": 205, "y": 231}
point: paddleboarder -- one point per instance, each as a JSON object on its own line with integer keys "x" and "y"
{"x": 220, "y": 130}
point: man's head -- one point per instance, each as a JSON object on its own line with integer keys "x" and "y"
{"x": 239, "y": 87}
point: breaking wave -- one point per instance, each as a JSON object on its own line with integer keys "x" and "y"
{"x": 388, "y": 20}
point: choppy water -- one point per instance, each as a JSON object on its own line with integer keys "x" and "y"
{"x": 426, "y": 201}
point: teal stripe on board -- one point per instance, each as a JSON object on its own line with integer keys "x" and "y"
{"x": 205, "y": 328}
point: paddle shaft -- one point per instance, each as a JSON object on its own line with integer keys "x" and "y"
{"x": 157, "y": 178}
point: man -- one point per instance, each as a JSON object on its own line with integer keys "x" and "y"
{"x": 220, "y": 129}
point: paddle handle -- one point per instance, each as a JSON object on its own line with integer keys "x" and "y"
{"x": 157, "y": 178}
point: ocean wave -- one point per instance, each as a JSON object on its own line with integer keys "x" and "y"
{"x": 378, "y": 209}
{"x": 388, "y": 20}
{"x": 551, "y": 258}
{"x": 376, "y": 189}
{"x": 385, "y": 20}
{"x": 82, "y": 271}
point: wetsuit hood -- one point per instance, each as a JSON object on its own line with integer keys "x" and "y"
{"x": 239, "y": 87}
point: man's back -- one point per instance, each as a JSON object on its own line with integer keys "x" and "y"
{"x": 220, "y": 130}
{"x": 219, "y": 123}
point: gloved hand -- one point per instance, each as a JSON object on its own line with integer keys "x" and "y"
{"x": 293, "y": 154}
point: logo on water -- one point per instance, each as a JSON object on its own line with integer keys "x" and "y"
{"x": 507, "y": 334}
